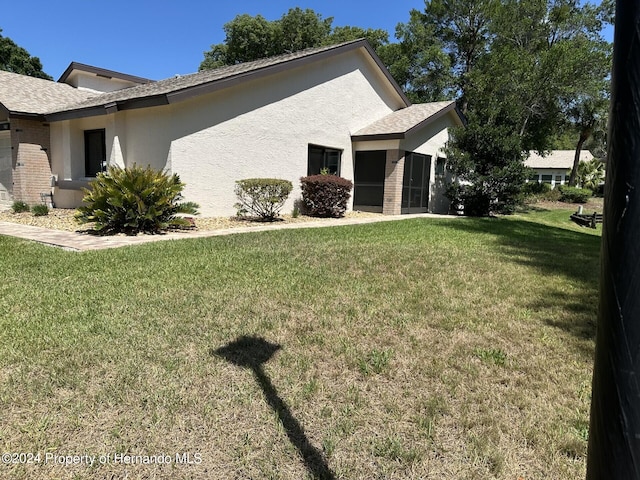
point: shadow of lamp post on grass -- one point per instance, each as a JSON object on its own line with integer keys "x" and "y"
{"x": 253, "y": 353}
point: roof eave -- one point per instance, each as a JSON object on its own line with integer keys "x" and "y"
{"x": 378, "y": 136}
{"x": 27, "y": 116}
{"x": 103, "y": 72}
{"x": 107, "y": 108}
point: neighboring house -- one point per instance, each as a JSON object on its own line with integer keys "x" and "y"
{"x": 286, "y": 117}
{"x": 555, "y": 167}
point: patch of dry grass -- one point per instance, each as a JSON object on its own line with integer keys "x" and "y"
{"x": 414, "y": 349}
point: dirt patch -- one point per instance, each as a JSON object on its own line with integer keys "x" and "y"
{"x": 593, "y": 204}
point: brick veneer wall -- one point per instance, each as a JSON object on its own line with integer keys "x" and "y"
{"x": 31, "y": 164}
{"x": 393, "y": 176}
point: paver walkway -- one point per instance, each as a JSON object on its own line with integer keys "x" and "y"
{"x": 81, "y": 241}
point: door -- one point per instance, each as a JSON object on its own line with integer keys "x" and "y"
{"x": 415, "y": 184}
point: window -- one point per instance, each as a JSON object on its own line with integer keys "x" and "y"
{"x": 547, "y": 178}
{"x": 321, "y": 158}
{"x": 95, "y": 152}
{"x": 440, "y": 166}
{"x": 558, "y": 180}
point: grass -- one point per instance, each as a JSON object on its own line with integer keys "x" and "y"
{"x": 454, "y": 348}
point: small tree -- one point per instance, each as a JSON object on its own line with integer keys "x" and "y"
{"x": 133, "y": 200}
{"x": 262, "y": 197}
{"x": 487, "y": 161}
{"x": 590, "y": 174}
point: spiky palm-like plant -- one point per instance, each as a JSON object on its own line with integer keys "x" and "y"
{"x": 133, "y": 200}
{"x": 591, "y": 174}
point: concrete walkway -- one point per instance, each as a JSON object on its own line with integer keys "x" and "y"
{"x": 82, "y": 242}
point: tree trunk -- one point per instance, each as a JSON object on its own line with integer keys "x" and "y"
{"x": 614, "y": 432}
{"x": 584, "y": 135}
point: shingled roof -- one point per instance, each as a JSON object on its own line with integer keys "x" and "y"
{"x": 399, "y": 124}
{"x": 21, "y": 95}
{"x": 182, "y": 87}
{"x": 558, "y": 159}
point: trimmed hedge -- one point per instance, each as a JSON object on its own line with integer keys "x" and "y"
{"x": 535, "y": 188}
{"x": 325, "y": 195}
{"x": 574, "y": 194}
{"x": 262, "y": 197}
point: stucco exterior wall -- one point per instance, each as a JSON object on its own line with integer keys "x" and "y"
{"x": 263, "y": 128}
{"x": 558, "y": 176}
{"x": 260, "y": 128}
{"x": 431, "y": 141}
{"x": 94, "y": 83}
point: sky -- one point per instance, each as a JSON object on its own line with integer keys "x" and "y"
{"x": 159, "y": 39}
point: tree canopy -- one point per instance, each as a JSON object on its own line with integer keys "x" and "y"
{"x": 16, "y": 59}
{"x": 526, "y": 73}
{"x": 523, "y": 71}
{"x": 249, "y": 38}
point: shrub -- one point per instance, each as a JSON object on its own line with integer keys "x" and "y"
{"x": 262, "y": 197}
{"x": 552, "y": 195}
{"x": 535, "y": 188}
{"x": 535, "y": 192}
{"x": 574, "y": 194}
{"x": 133, "y": 200}
{"x": 40, "y": 210}
{"x": 325, "y": 195}
{"x": 19, "y": 207}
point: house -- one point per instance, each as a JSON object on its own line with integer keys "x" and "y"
{"x": 555, "y": 167}
{"x": 334, "y": 107}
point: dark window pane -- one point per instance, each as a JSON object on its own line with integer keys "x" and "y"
{"x": 332, "y": 161}
{"x": 315, "y": 161}
{"x": 94, "y": 152}
{"x": 320, "y": 158}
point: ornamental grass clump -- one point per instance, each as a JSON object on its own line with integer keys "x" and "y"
{"x": 262, "y": 197}
{"x": 19, "y": 207}
{"x": 40, "y": 210}
{"x": 134, "y": 200}
{"x": 325, "y": 195}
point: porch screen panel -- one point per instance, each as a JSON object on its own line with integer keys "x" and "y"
{"x": 5, "y": 165}
{"x": 369, "y": 178}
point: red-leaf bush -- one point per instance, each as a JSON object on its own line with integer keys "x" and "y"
{"x": 325, "y": 195}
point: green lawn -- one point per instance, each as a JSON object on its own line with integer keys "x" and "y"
{"x": 453, "y": 348}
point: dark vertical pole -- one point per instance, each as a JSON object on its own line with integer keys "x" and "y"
{"x": 614, "y": 437}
